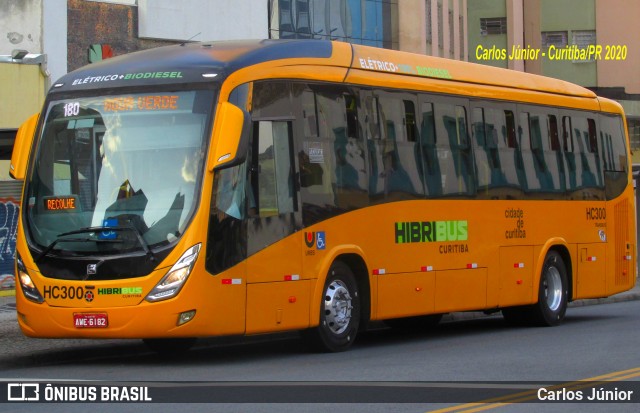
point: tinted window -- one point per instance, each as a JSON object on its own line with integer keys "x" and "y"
{"x": 454, "y": 151}
{"x": 586, "y": 152}
{"x": 501, "y": 150}
{"x": 430, "y": 161}
{"x": 396, "y": 154}
{"x": 331, "y": 158}
{"x": 614, "y": 154}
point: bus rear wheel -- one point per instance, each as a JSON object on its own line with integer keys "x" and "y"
{"x": 553, "y": 292}
{"x": 339, "y": 312}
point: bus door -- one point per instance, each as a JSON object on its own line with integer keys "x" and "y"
{"x": 277, "y": 297}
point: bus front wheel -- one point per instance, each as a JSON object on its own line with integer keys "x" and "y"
{"x": 339, "y": 312}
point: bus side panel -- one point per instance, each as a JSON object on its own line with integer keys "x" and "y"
{"x": 516, "y": 275}
{"x": 408, "y": 294}
{"x": 460, "y": 290}
{"x": 278, "y": 306}
{"x": 221, "y": 301}
{"x": 591, "y": 274}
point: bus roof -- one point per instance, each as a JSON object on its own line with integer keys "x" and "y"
{"x": 381, "y": 60}
{"x": 204, "y": 62}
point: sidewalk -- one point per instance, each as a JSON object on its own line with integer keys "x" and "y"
{"x": 631, "y": 295}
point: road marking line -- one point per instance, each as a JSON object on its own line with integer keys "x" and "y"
{"x": 533, "y": 394}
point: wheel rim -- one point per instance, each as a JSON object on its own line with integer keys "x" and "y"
{"x": 553, "y": 288}
{"x": 337, "y": 307}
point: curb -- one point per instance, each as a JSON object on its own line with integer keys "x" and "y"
{"x": 631, "y": 295}
{"x": 7, "y": 293}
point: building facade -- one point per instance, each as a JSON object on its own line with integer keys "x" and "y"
{"x": 63, "y": 35}
{"x": 545, "y": 36}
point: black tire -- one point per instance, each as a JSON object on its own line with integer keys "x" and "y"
{"x": 339, "y": 312}
{"x": 173, "y": 347}
{"x": 424, "y": 322}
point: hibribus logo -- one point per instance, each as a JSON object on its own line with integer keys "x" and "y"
{"x": 430, "y": 231}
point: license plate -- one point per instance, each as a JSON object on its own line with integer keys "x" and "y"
{"x": 90, "y": 320}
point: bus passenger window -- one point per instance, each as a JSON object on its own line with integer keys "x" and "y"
{"x": 373, "y": 118}
{"x": 483, "y": 161}
{"x": 593, "y": 140}
{"x": 349, "y": 152}
{"x": 571, "y": 167}
{"x": 430, "y": 162}
{"x": 552, "y": 126}
{"x": 461, "y": 127}
{"x": 453, "y": 149}
{"x": 588, "y": 176}
{"x": 477, "y": 129}
{"x": 410, "y": 120}
{"x": 510, "y": 129}
{"x": 397, "y": 154}
{"x": 567, "y": 140}
{"x": 531, "y": 177}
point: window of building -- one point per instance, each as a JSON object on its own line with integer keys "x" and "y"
{"x": 583, "y": 39}
{"x": 127, "y": 2}
{"x": 556, "y": 39}
{"x": 428, "y": 21}
{"x": 440, "y": 28}
{"x": 634, "y": 133}
{"x": 368, "y": 22}
{"x": 451, "y": 34}
{"x": 462, "y": 36}
{"x": 7, "y": 138}
{"x": 493, "y": 25}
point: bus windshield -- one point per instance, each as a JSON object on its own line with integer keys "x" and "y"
{"x": 117, "y": 173}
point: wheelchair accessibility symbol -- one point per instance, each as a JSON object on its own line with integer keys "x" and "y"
{"x": 105, "y": 235}
{"x": 321, "y": 240}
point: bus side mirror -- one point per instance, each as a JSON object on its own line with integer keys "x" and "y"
{"x": 227, "y": 135}
{"x": 22, "y": 148}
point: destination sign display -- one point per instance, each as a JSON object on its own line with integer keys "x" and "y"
{"x": 141, "y": 103}
{"x": 60, "y": 203}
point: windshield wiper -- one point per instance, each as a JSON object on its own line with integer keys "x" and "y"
{"x": 135, "y": 230}
{"x": 58, "y": 240}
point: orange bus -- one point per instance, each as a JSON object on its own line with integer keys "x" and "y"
{"x": 238, "y": 188}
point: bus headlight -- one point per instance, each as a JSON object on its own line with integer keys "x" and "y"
{"x": 170, "y": 285}
{"x": 29, "y": 289}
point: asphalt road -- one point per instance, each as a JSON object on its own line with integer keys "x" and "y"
{"x": 383, "y": 366}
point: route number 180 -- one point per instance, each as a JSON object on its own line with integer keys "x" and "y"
{"x": 71, "y": 109}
